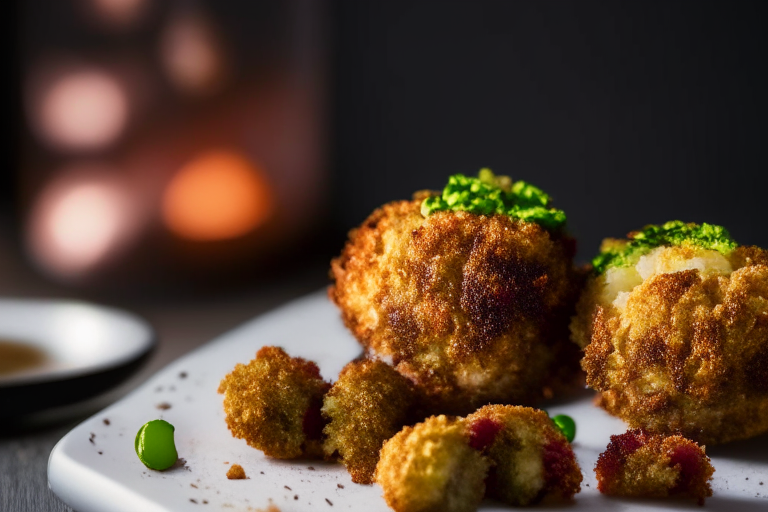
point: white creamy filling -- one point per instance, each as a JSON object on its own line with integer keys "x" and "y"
{"x": 621, "y": 281}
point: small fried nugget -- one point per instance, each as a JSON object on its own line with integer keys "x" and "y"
{"x": 431, "y": 467}
{"x": 642, "y": 465}
{"x": 532, "y": 460}
{"x": 675, "y": 335}
{"x": 367, "y": 405}
{"x": 236, "y": 472}
{"x": 274, "y": 403}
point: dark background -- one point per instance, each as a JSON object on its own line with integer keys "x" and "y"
{"x": 628, "y": 113}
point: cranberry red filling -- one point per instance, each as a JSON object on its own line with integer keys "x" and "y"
{"x": 483, "y": 432}
{"x": 558, "y": 462}
{"x": 690, "y": 460}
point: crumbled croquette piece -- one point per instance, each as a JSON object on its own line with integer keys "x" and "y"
{"x": 531, "y": 459}
{"x": 679, "y": 342}
{"x": 431, "y": 467}
{"x": 638, "y": 464}
{"x": 274, "y": 403}
{"x": 367, "y": 405}
{"x": 472, "y": 308}
{"x": 236, "y": 472}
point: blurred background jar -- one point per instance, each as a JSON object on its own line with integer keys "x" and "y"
{"x": 176, "y": 143}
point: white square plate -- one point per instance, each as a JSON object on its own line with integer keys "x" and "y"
{"x": 95, "y": 468}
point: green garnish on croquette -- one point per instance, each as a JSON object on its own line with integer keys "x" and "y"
{"x": 625, "y": 253}
{"x": 489, "y": 194}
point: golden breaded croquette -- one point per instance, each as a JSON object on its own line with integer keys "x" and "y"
{"x": 367, "y": 405}
{"x": 676, "y": 337}
{"x": 431, "y": 468}
{"x": 531, "y": 459}
{"x": 642, "y": 465}
{"x": 274, "y": 403}
{"x": 471, "y": 308}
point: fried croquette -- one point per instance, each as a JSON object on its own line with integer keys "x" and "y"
{"x": 642, "y": 465}
{"x": 236, "y": 472}
{"x": 274, "y": 403}
{"x": 431, "y": 467}
{"x": 368, "y": 404}
{"x": 676, "y": 336}
{"x": 472, "y": 308}
{"x": 531, "y": 459}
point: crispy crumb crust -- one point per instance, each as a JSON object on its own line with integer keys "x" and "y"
{"x": 643, "y": 465}
{"x": 273, "y": 403}
{"x": 367, "y": 405}
{"x": 531, "y": 459}
{"x": 473, "y": 309}
{"x": 689, "y": 353}
{"x": 431, "y": 467}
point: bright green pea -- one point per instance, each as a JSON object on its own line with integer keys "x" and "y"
{"x": 155, "y": 446}
{"x": 566, "y": 425}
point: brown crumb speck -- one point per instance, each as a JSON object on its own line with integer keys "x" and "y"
{"x": 183, "y": 375}
{"x": 193, "y": 485}
{"x": 91, "y": 439}
{"x": 106, "y": 421}
{"x": 311, "y": 468}
{"x": 205, "y": 502}
{"x": 101, "y": 453}
{"x": 339, "y": 486}
{"x": 163, "y": 406}
{"x": 295, "y": 496}
{"x": 329, "y": 501}
{"x": 193, "y": 500}
{"x": 287, "y": 487}
{"x": 236, "y": 472}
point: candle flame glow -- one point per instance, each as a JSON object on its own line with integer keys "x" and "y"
{"x": 220, "y": 195}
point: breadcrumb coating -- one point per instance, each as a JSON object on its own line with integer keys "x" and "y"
{"x": 274, "y": 403}
{"x": 236, "y": 472}
{"x": 431, "y": 468}
{"x": 531, "y": 459}
{"x": 642, "y": 465}
{"x": 367, "y": 405}
{"x": 679, "y": 343}
{"x": 471, "y": 308}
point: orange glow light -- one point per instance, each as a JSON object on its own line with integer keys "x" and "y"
{"x": 219, "y": 195}
{"x": 83, "y": 110}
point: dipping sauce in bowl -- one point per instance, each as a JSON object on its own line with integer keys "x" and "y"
{"x": 17, "y": 356}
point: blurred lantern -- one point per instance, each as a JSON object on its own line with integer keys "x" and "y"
{"x": 222, "y": 168}
{"x": 116, "y": 13}
{"x": 192, "y": 54}
{"x": 80, "y": 219}
{"x": 81, "y": 109}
